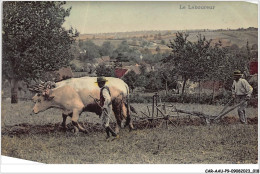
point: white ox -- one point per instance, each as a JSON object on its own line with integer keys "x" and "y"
{"x": 73, "y": 96}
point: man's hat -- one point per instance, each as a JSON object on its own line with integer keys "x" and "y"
{"x": 237, "y": 73}
{"x": 101, "y": 79}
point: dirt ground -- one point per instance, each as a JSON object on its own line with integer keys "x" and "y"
{"x": 27, "y": 129}
{"x": 186, "y": 140}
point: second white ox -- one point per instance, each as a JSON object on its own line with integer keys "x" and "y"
{"x": 73, "y": 96}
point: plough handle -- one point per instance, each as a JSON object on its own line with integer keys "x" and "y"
{"x": 234, "y": 107}
{"x": 225, "y": 107}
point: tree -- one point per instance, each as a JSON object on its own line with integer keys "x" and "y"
{"x": 123, "y": 47}
{"x": 106, "y": 49}
{"x": 234, "y": 47}
{"x": 167, "y": 78}
{"x": 92, "y": 51}
{"x": 180, "y": 58}
{"x": 143, "y": 68}
{"x": 199, "y": 60}
{"x": 144, "y": 43}
{"x": 184, "y": 54}
{"x": 163, "y": 42}
{"x": 254, "y": 47}
{"x": 122, "y": 57}
{"x": 153, "y": 59}
{"x": 141, "y": 81}
{"x": 106, "y": 71}
{"x": 131, "y": 78}
{"x": 34, "y": 40}
{"x": 133, "y": 55}
{"x": 154, "y": 81}
{"x": 215, "y": 66}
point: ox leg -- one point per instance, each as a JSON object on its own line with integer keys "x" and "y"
{"x": 129, "y": 121}
{"x": 64, "y": 116}
{"x": 118, "y": 120}
{"x": 77, "y": 126}
{"x": 117, "y": 129}
{"x": 117, "y": 108}
{"x": 128, "y": 117}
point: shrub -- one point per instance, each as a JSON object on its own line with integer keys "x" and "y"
{"x": 187, "y": 98}
{"x": 137, "y": 98}
{"x": 220, "y": 99}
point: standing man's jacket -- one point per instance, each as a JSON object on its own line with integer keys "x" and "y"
{"x": 242, "y": 87}
{"x": 105, "y": 97}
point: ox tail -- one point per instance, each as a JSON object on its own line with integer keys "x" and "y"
{"x": 128, "y": 118}
{"x": 127, "y": 101}
{"x": 132, "y": 109}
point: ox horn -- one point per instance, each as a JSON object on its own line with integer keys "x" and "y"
{"x": 42, "y": 86}
{"x": 31, "y": 89}
{"x": 34, "y": 90}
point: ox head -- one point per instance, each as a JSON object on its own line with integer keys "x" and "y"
{"x": 44, "y": 97}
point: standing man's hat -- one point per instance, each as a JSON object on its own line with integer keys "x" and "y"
{"x": 101, "y": 79}
{"x": 237, "y": 73}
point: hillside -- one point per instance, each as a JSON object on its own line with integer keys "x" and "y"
{"x": 151, "y": 45}
{"x": 228, "y": 37}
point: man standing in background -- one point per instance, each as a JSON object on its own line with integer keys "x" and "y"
{"x": 241, "y": 91}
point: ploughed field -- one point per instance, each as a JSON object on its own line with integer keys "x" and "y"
{"x": 189, "y": 140}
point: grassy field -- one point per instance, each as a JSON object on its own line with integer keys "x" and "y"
{"x": 39, "y": 138}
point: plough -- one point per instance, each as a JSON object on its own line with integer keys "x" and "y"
{"x": 159, "y": 112}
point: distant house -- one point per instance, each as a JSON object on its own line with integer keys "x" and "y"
{"x": 113, "y": 60}
{"x": 147, "y": 66}
{"x": 126, "y": 64}
{"x": 120, "y": 72}
{"x": 135, "y": 68}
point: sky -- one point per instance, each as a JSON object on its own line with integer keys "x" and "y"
{"x": 116, "y": 16}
